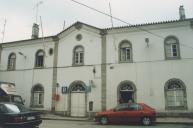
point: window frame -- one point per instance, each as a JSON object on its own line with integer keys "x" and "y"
{"x": 36, "y": 59}
{"x": 170, "y": 46}
{"x": 11, "y": 64}
{"x": 78, "y": 56}
{"x": 37, "y": 92}
{"x": 126, "y": 53}
{"x": 174, "y": 90}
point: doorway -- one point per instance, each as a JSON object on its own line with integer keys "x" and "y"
{"x": 126, "y": 96}
{"x": 77, "y": 99}
{"x": 126, "y": 92}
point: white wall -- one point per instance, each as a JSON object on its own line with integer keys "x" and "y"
{"x": 25, "y": 76}
{"x": 92, "y": 58}
{"x": 149, "y": 70}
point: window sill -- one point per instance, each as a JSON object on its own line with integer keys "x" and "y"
{"x": 130, "y": 61}
{"x": 10, "y": 69}
{"x": 172, "y": 58}
{"x": 38, "y": 67}
{"x": 77, "y": 65}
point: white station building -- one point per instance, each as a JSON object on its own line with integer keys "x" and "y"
{"x": 88, "y": 69}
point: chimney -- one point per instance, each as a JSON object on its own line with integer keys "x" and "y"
{"x": 182, "y": 12}
{"x": 35, "y": 31}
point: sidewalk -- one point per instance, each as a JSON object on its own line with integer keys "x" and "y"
{"x": 160, "y": 120}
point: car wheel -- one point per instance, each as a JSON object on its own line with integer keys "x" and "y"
{"x": 104, "y": 120}
{"x": 146, "y": 121}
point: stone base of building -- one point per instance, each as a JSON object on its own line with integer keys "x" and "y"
{"x": 175, "y": 114}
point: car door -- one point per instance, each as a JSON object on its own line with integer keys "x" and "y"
{"x": 118, "y": 114}
{"x": 2, "y": 114}
{"x": 133, "y": 113}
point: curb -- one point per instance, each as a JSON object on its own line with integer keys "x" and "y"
{"x": 91, "y": 120}
{"x": 185, "y": 123}
{"x": 86, "y": 120}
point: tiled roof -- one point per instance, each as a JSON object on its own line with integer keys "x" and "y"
{"x": 146, "y": 24}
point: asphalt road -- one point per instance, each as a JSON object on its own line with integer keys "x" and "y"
{"x": 83, "y": 124}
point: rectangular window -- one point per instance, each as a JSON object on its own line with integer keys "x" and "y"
{"x": 76, "y": 58}
{"x": 37, "y": 99}
{"x": 40, "y": 98}
{"x": 175, "y": 98}
{"x": 40, "y": 61}
{"x": 128, "y": 54}
{"x": 174, "y": 50}
{"x": 79, "y": 57}
{"x": 125, "y": 54}
{"x": 11, "y": 63}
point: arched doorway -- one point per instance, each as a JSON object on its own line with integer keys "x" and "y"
{"x": 126, "y": 92}
{"x": 77, "y": 99}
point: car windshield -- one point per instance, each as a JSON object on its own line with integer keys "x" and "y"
{"x": 17, "y": 99}
{"x": 121, "y": 106}
{"x": 13, "y": 108}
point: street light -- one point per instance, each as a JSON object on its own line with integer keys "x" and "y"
{"x": 20, "y": 53}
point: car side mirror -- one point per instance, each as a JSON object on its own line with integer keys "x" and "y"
{"x": 23, "y": 102}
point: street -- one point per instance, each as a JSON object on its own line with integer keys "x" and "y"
{"x": 83, "y": 124}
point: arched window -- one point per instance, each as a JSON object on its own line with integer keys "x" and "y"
{"x": 37, "y": 96}
{"x": 39, "y": 60}
{"x": 172, "y": 48}
{"x": 78, "y": 88}
{"x": 175, "y": 92}
{"x": 78, "y": 55}
{"x": 125, "y": 51}
{"x": 11, "y": 61}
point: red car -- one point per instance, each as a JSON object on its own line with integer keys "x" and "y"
{"x": 128, "y": 112}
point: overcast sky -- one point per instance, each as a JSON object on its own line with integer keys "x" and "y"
{"x": 20, "y": 14}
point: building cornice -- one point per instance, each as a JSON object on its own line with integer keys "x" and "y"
{"x": 28, "y": 42}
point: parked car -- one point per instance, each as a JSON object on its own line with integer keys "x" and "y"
{"x": 15, "y": 115}
{"x": 8, "y": 93}
{"x": 127, "y": 113}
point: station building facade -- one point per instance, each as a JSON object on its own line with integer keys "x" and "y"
{"x": 88, "y": 69}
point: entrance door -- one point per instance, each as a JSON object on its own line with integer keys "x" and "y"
{"x": 78, "y": 104}
{"x": 126, "y": 96}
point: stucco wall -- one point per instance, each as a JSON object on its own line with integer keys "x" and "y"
{"x": 25, "y": 76}
{"x": 149, "y": 70}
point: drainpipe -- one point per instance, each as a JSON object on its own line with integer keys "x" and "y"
{"x": 103, "y": 34}
{"x": 0, "y": 52}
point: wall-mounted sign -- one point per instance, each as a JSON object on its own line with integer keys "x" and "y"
{"x": 64, "y": 89}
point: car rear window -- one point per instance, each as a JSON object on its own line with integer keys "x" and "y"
{"x": 12, "y": 108}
